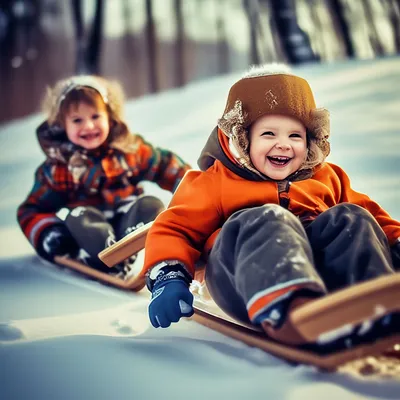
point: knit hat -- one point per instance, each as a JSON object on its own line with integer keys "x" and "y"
{"x": 273, "y": 89}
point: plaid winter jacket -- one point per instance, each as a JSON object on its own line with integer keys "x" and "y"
{"x": 71, "y": 177}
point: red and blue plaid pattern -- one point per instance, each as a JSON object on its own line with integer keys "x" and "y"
{"x": 105, "y": 182}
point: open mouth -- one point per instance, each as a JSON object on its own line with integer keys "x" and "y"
{"x": 279, "y": 161}
{"x": 90, "y": 136}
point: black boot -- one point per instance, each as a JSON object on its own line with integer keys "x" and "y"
{"x": 92, "y": 232}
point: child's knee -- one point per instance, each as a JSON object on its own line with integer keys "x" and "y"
{"x": 273, "y": 216}
{"x": 353, "y": 213}
{"x": 145, "y": 209}
{"x": 265, "y": 213}
{"x": 275, "y": 212}
{"x": 261, "y": 222}
{"x": 150, "y": 203}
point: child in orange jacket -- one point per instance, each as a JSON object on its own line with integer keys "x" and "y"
{"x": 278, "y": 224}
{"x": 86, "y": 193}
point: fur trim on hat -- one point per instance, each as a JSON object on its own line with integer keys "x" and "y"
{"x": 267, "y": 69}
{"x": 110, "y": 91}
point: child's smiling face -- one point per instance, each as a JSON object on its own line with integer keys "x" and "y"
{"x": 86, "y": 125}
{"x": 278, "y": 145}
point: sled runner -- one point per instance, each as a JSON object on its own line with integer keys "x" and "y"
{"x": 131, "y": 244}
{"x": 130, "y": 283}
{"x": 123, "y": 249}
{"x": 255, "y": 338}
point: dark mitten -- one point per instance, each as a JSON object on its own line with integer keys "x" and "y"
{"x": 56, "y": 240}
{"x": 395, "y": 249}
{"x": 171, "y": 298}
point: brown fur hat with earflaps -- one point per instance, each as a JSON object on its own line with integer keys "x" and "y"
{"x": 273, "y": 89}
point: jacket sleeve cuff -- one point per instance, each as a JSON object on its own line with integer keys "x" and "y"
{"x": 166, "y": 270}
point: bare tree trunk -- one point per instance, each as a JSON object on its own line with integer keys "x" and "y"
{"x": 395, "y": 20}
{"x": 294, "y": 40}
{"x": 223, "y": 48}
{"x": 179, "y": 46}
{"x": 152, "y": 48}
{"x": 252, "y": 16}
{"x": 374, "y": 38}
{"x": 88, "y": 47}
{"x": 337, "y": 8}
{"x": 95, "y": 40}
{"x": 80, "y": 66}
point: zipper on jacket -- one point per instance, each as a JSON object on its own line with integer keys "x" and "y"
{"x": 283, "y": 193}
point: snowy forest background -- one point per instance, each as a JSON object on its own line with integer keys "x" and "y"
{"x": 154, "y": 45}
{"x": 65, "y": 337}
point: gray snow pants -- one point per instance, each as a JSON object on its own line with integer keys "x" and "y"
{"x": 266, "y": 247}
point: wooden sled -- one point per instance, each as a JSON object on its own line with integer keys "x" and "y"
{"x": 313, "y": 321}
{"x": 132, "y": 284}
{"x": 129, "y": 245}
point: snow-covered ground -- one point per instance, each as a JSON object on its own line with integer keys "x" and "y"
{"x": 62, "y": 337}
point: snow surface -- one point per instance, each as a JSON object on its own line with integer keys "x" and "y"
{"x": 62, "y": 337}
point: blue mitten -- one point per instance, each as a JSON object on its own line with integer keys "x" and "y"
{"x": 171, "y": 299}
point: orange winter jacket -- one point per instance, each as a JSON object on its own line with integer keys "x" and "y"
{"x": 204, "y": 200}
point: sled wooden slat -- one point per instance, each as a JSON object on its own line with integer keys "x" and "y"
{"x": 261, "y": 341}
{"x": 352, "y": 305}
{"x": 126, "y": 247}
{"x": 135, "y": 283}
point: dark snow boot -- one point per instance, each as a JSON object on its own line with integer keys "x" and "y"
{"x": 92, "y": 232}
{"x": 131, "y": 215}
